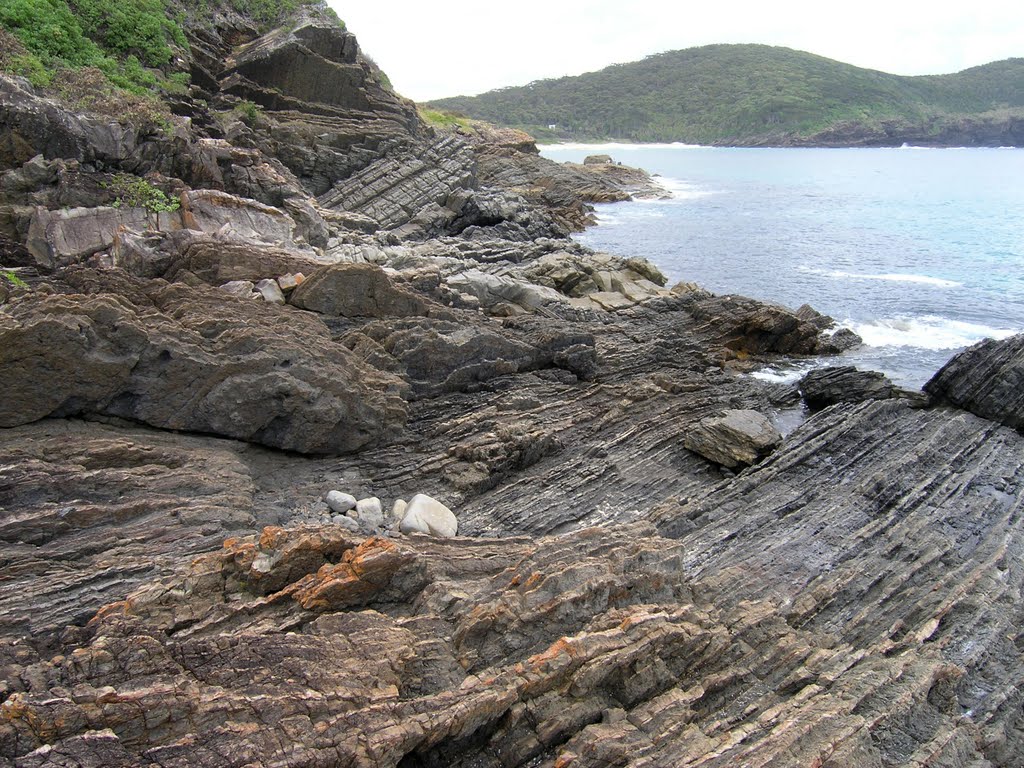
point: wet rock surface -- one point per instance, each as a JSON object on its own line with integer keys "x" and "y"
{"x": 438, "y": 508}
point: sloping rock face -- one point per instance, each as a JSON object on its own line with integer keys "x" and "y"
{"x": 744, "y": 640}
{"x": 183, "y": 358}
{"x": 986, "y": 379}
{"x": 88, "y": 509}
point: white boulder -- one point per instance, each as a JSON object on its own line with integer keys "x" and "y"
{"x": 270, "y": 291}
{"x": 370, "y": 512}
{"x": 398, "y": 509}
{"x": 427, "y": 515}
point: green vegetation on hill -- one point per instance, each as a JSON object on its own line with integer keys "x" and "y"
{"x": 721, "y": 94}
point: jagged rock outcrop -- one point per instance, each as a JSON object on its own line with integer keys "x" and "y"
{"x": 986, "y": 379}
{"x": 510, "y": 160}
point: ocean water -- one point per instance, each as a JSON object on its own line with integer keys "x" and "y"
{"x": 920, "y": 251}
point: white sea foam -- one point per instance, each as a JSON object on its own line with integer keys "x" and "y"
{"x": 782, "y": 374}
{"x": 896, "y": 277}
{"x": 614, "y": 146}
{"x": 925, "y": 332}
{"x": 680, "y": 190}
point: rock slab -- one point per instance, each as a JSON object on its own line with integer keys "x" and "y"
{"x": 738, "y": 437}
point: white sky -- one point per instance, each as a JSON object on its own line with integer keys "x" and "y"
{"x": 436, "y": 49}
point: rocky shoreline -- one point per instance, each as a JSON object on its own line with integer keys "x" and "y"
{"x": 211, "y": 412}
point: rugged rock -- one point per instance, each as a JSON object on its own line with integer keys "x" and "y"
{"x": 192, "y": 359}
{"x": 823, "y": 387}
{"x": 735, "y": 438}
{"x": 986, "y": 379}
{"x": 60, "y": 238}
{"x": 748, "y": 639}
{"x": 208, "y": 210}
{"x": 355, "y": 290}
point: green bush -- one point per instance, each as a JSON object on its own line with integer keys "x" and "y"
{"x": 135, "y": 192}
{"x": 121, "y": 38}
{"x": 13, "y": 279}
{"x": 249, "y": 112}
{"x": 49, "y": 30}
{"x": 139, "y": 28}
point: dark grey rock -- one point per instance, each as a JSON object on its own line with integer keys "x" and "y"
{"x": 736, "y": 438}
{"x": 823, "y": 387}
{"x": 190, "y": 359}
{"x": 986, "y": 379}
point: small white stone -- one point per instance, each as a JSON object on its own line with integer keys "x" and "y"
{"x": 370, "y": 512}
{"x": 271, "y": 291}
{"x": 427, "y": 515}
{"x": 339, "y": 502}
{"x": 398, "y": 509}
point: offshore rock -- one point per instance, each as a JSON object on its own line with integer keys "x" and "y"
{"x": 735, "y": 438}
{"x": 750, "y": 327}
{"x": 823, "y": 387}
{"x": 986, "y": 379}
{"x": 170, "y": 358}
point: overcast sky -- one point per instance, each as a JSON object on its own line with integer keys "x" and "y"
{"x": 431, "y": 50}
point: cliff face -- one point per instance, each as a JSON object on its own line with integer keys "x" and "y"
{"x": 206, "y": 328}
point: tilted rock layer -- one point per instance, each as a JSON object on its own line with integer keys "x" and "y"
{"x": 177, "y": 404}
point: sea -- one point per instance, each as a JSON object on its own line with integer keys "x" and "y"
{"x": 920, "y": 251}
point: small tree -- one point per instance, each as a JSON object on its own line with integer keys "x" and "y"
{"x": 134, "y": 192}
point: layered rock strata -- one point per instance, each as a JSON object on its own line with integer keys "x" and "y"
{"x": 179, "y": 586}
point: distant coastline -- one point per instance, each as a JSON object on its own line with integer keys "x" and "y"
{"x": 762, "y": 96}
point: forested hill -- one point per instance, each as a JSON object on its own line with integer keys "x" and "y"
{"x": 759, "y": 94}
